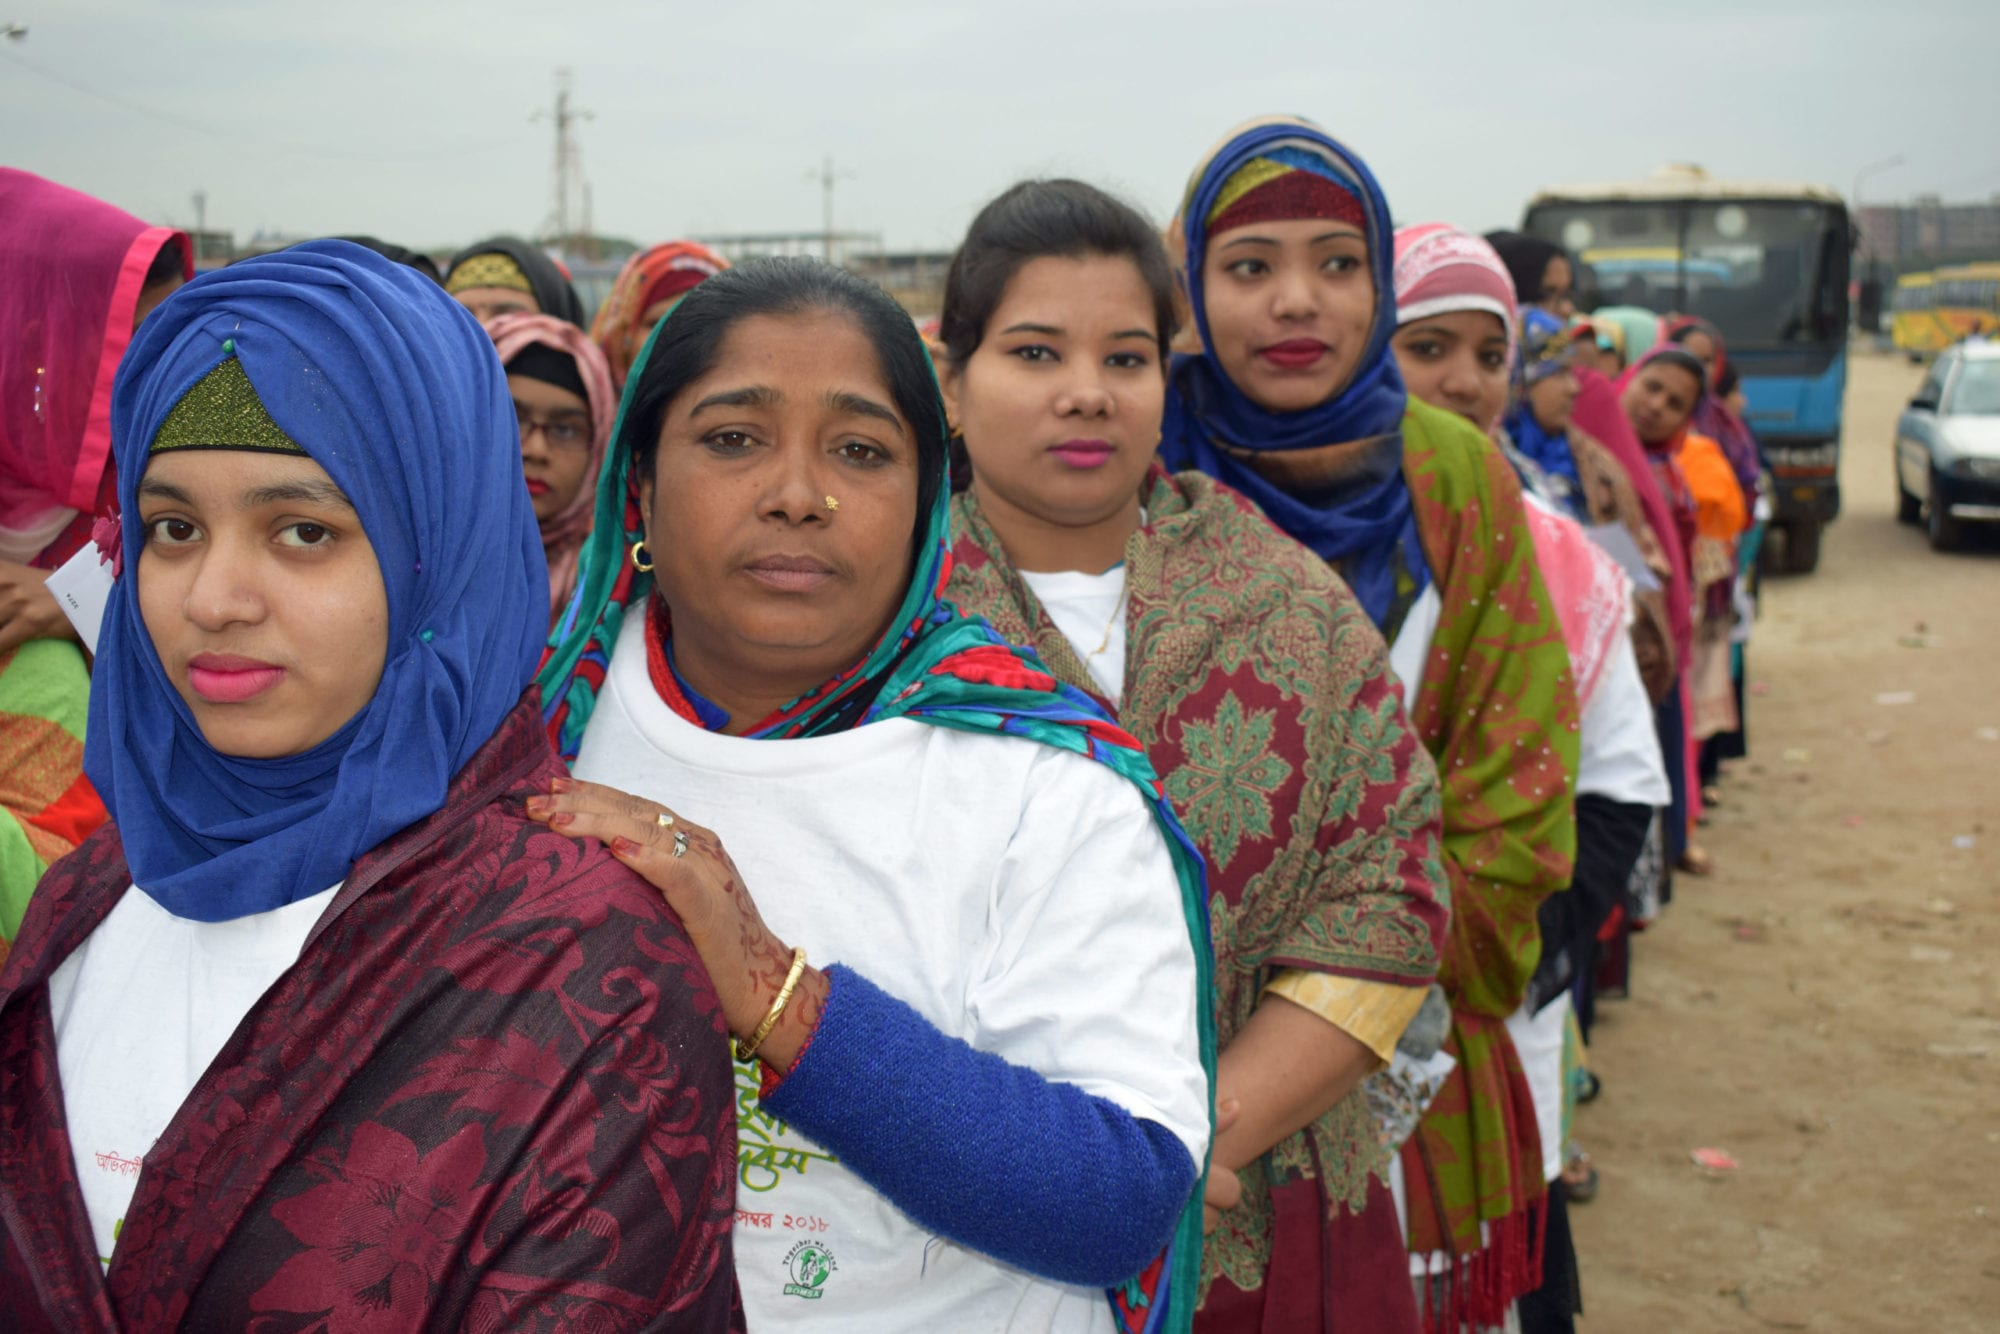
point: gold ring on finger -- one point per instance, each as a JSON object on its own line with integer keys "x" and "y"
{"x": 665, "y": 819}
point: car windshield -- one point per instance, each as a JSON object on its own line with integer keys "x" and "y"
{"x": 1753, "y": 268}
{"x": 1976, "y": 391}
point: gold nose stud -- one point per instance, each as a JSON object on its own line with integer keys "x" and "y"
{"x": 832, "y": 504}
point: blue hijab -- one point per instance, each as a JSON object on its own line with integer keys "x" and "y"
{"x": 394, "y": 389}
{"x": 1544, "y": 352}
{"x": 1368, "y": 520}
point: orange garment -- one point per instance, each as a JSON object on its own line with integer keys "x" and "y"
{"x": 1720, "y": 516}
{"x": 1720, "y": 512}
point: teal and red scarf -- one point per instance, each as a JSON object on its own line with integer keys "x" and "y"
{"x": 935, "y": 666}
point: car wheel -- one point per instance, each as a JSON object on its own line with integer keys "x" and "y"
{"x": 1945, "y": 532}
{"x": 1909, "y": 508}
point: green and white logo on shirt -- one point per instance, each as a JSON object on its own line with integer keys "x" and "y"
{"x": 810, "y": 1265}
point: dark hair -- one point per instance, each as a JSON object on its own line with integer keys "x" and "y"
{"x": 389, "y": 250}
{"x": 1527, "y": 260}
{"x": 1672, "y": 354}
{"x": 169, "y": 264}
{"x": 690, "y": 339}
{"x": 1727, "y": 380}
{"x": 1037, "y": 220}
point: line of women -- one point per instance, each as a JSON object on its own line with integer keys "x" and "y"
{"x": 1143, "y": 825}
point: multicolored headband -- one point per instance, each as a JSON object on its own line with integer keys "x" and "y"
{"x": 1281, "y": 184}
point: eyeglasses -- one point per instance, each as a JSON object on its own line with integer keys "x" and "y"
{"x": 568, "y": 431}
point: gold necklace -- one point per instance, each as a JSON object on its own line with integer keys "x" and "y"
{"x": 1111, "y": 624}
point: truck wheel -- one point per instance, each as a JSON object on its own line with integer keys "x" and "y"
{"x": 1946, "y": 533}
{"x": 1802, "y": 547}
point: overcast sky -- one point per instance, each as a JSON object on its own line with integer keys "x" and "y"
{"x": 411, "y": 120}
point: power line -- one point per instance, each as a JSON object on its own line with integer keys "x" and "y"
{"x": 235, "y": 133}
{"x": 826, "y": 178}
{"x": 569, "y": 161}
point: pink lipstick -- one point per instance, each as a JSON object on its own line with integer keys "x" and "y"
{"x": 1084, "y": 454}
{"x": 225, "y": 678}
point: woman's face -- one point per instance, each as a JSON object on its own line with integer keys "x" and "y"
{"x": 782, "y": 501}
{"x": 1557, "y": 281}
{"x": 1659, "y": 400}
{"x": 1551, "y": 399}
{"x": 487, "y": 303}
{"x": 262, "y": 597}
{"x": 1458, "y": 362}
{"x": 1060, "y": 404}
{"x": 1701, "y": 347}
{"x": 555, "y": 442}
{"x": 650, "y": 317}
{"x": 1289, "y": 308}
{"x": 151, "y": 297}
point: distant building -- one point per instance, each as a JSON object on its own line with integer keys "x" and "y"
{"x": 1929, "y": 231}
{"x": 212, "y": 248}
{"x": 843, "y": 248}
{"x": 913, "y": 277}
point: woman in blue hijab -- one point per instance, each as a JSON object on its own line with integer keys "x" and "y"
{"x": 320, "y": 1025}
{"x": 1295, "y": 399}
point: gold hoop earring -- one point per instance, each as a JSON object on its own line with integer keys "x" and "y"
{"x": 642, "y": 561}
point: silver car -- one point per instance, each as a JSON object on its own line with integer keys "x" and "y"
{"x": 1948, "y": 445}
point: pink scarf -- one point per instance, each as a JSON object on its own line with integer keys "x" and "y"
{"x": 563, "y": 533}
{"x": 71, "y": 270}
{"x": 1589, "y": 588}
{"x": 1599, "y": 415}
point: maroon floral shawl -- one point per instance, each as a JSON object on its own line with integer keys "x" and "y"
{"x": 1264, "y": 696}
{"x": 492, "y": 1094}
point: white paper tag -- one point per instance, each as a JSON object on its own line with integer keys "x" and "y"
{"x": 82, "y": 586}
{"x": 1618, "y": 544}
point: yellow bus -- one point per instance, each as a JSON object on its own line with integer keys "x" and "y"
{"x": 1914, "y": 326}
{"x": 1968, "y": 300}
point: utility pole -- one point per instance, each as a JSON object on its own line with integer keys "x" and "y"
{"x": 200, "y": 216}
{"x": 569, "y": 160}
{"x": 825, "y": 177}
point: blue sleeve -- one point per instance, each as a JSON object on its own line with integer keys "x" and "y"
{"x": 1039, "y": 1174}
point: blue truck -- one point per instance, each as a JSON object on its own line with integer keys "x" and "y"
{"x": 1766, "y": 262}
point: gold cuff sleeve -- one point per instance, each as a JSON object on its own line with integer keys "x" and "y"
{"x": 1372, "y": 1013}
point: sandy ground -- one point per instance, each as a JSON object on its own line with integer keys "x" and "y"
{"x": 1826, "y": 1007}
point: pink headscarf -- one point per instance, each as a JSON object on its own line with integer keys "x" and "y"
{"x": 1441, "y": 270}
{"x": 563, "y": 533}
{"x": 71, "y": 271}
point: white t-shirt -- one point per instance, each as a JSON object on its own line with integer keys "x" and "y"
{"x": 1413, "y": 643}
{"x": 1538, "y": 1039}
{"x": 1089, "y": 609}
{"x": 141, "y": 1009}
{"x": 1618, "y": 751}
{"x": 1016, "y": 896}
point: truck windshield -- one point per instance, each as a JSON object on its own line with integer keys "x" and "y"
{"x": 1764, "y": 272}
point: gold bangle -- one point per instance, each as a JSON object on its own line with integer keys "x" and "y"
{"x": 744, "y": 1053}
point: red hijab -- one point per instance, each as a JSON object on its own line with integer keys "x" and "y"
{"x": 1599, "y": 413}
{"x": 71, "y": 271}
